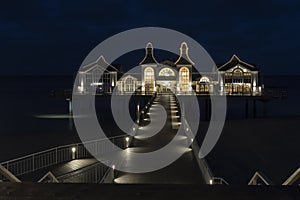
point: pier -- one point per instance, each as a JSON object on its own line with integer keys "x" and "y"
{"x": 73, "y": 163}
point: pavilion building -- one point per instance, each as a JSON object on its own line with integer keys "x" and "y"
{"x": 235, "y": 77}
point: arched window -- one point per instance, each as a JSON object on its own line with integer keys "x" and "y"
{"x": 166, "y": 72}
{"x": 129, "y": 84}
{"x": 204, "y": 79}
{"x": 184, "y": 78}
{"x": 149, "y": 79}
{"x": 204, "y": 84}
{"x": 237, "y": 76}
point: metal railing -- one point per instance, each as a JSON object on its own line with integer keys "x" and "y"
{"x": 202, "y": 163}
{"x": 218, "y": 181}
{"x": 276, "y": 92}
{"x": 61, "y": 154}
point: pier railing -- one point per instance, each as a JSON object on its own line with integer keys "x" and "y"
{"x": 202, "y": 162}
{"x": 276, "y": 92}
{"x": 61, "y": 154}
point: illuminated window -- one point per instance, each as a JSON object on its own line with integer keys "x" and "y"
{"x": 237, "y": 88}
{"x": 228, "y": 78}
{"x": 228, "y": 87}
{"x": 204, "y": 79}
{"x": 149, "y": 79}
{"x": 247, "y": 78}
{"x": 184, "y": 79}
{"x": 247, "y": 88}
{"x": 237, "y": 76}
{"x": 204, "y": 84}
{"x": 129, "y": 84}
{"x": 166, "y": 72}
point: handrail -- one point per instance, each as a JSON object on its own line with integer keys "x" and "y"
{"x": 49, "y": 175}
{"x": 8, "y": 175}
{"x": 219, "y": 180}
{"x": 293, "y": 178}
{"x": 59, "y": 147}
{"x": 203, "y": 164}
{"x": 59, "y": 154}
{"x": 257, "y": 174}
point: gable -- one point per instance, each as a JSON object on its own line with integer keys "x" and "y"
{"x": 99, "y": 64}
{"x": 129, "y": 76}
{"x": 235, "y": 61}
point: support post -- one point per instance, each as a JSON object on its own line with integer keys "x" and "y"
{"x": 138, "y": 113}
{"x": 33, "y": 168}
{"x": 7, "y": 174}
{"x": 70, "y": 105}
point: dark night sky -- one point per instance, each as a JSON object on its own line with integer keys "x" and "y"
{"x": 54, "y": 36}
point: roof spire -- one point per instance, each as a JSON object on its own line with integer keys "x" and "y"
{"x": 149, "y": 57}
{"x": 184, "y": 49}
{"x": 184, "y": 55}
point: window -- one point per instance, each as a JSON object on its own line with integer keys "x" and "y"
{"x": 149, "y": 79}
{"x": 204, "y": 84}
{"x": 129, "y": 84}
{"x": 247, "y": 77}
{"x": 184, "y": 79}
{"x": 97, "y": 76}
{"x": 228, "y": 78}
{"x": 237, "y": 76}
{"x": 166, "y": 72}
{"x": 204, "y": 79}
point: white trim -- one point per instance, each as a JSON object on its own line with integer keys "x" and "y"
{"x": 49, "y": 175}
{"x": 204, "y": 77}
{"x": 128, "y": 76}
{"x": 169, "y": 68}
{"x": 7, "y": 174}
{"x": 96, "y": 64}
{"x": 256, "y": 176}
{"x": 186, "y": 53}
{"x": 235, "y": 56}
{"x": 294, "y": 177}
{"x": 149, "y": 46}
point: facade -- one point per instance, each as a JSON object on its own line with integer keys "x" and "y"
{"x": 233, "y": 77}
{"x": 91, "y": 78}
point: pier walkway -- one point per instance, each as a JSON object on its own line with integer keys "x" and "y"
{"x": 184, "y": 170}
